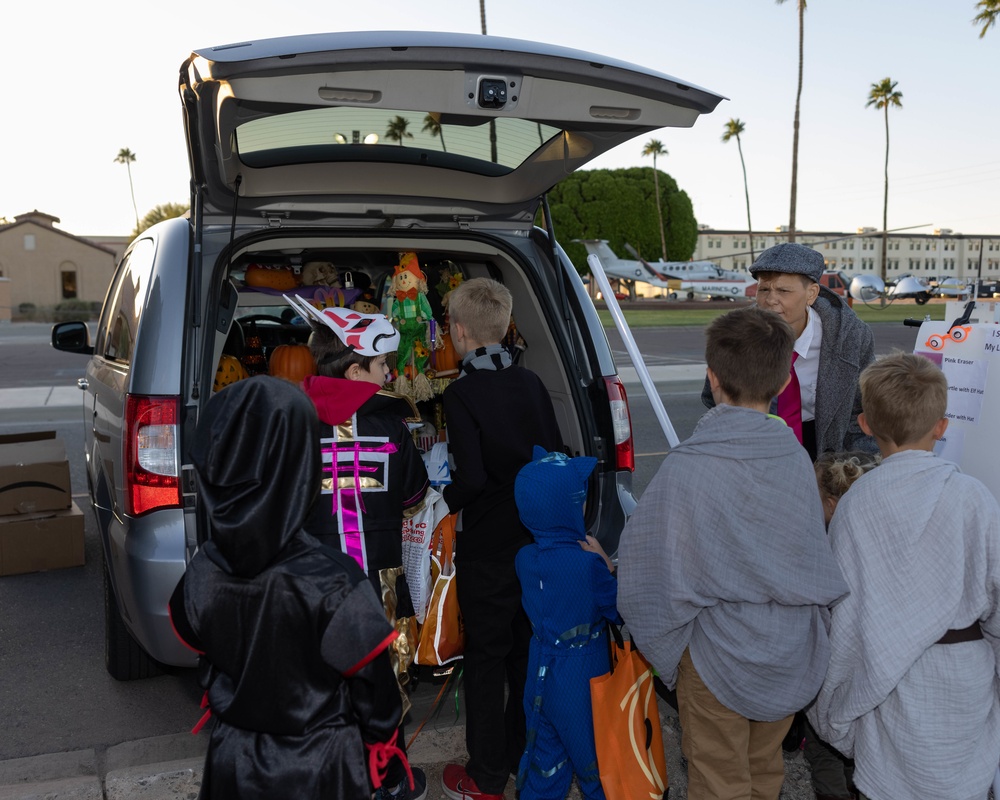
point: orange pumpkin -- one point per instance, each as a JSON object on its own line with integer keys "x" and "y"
{"x": 229, "y": 371}
{"x": 281, "y": 278}
{"x": 293, "y": 362}
{"x": 446, "y": 359}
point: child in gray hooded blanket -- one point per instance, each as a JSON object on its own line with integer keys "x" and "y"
{"x": 291, "y": 633}
{"x": 728, "y": 599}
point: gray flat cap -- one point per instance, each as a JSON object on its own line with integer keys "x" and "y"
{"x": 790, "y": 257}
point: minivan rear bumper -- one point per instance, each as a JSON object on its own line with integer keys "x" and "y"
{"x": 149, "y": 561}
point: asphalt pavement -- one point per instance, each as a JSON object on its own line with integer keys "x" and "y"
{"x": 170, "y": 767}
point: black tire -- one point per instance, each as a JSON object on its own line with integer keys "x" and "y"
{"x": 124, "y": 659}
{"x": 690, "y": 295}
{"x": 921, "y": 298}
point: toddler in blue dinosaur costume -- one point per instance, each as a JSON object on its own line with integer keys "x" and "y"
{"x": 569, "y": 593}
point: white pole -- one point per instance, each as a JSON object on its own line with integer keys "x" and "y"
{"x": 597, "y": 269}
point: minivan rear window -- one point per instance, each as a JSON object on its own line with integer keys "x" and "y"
{"x": 120, "y": 317}
{"x": 368, "y": 134}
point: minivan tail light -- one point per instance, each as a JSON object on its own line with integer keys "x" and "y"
{"x": 151, "y": 454}
{"x": 621, "y": 423}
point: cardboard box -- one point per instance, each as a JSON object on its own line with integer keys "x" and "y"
{"x": 34, "y": 473}
{"x": 41, "y": 541}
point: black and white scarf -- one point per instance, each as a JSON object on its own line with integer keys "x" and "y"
{"x": 491, "y": 357}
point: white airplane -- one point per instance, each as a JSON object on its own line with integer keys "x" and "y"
{"x": 680, "y": 278}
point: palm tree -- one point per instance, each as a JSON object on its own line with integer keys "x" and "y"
{"x": 795, "y": 125}
{"x": 733, "y": 130}
{"x": 989, "y": 10}
{"x": 160, "y": 213}
{"x": 654, "y": 148}
{"x": 432, "y": 124}
{"x": 882, "y": 95}
{"x": 396, "y": 131}
{"x": 127, "y": 157}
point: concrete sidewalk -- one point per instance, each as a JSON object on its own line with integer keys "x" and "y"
{"x": 171, "y": 767}
{"x": 70, "y": 396}
{"x": 35, "y": 397}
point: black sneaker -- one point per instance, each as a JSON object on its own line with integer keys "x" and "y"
{"x": 403, "y": 790}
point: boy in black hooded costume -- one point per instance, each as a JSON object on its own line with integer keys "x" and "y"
{"x": 298, "y": 681}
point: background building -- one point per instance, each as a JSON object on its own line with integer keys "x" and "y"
{"x": 937, "y": 255}
{"x": 45, "y": 266}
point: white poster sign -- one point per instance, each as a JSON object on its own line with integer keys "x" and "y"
{"x": 966, "y": 387}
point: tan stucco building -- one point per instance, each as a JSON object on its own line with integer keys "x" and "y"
{"x": 45, "y": 266}
{"x": 941, "y": 254}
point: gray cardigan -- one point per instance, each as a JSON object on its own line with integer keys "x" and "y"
{"x": 848, "y": 347}
{"x": 727, "y": 554}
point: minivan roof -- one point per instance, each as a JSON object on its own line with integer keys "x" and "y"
{"x": 405, "y": 122}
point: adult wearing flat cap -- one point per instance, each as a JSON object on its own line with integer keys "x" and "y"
{"x": 832, "y": 347}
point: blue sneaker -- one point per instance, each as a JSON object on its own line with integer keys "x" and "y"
{"x": 403, "y": 790}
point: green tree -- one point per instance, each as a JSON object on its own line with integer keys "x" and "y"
{"x": 432, "y": 125}
{"x": 733, "y": 130}
{"x": 160, "y": 213}
{"x": 882, "y": 95}
{"x": 989, "y": 10}
{"x": 654, "y": 148}
{"x": 617, "y": 205}
{"x": 396, "y": 131}
{"x": 795, "y": 124}
{"x": 127, "y": 157}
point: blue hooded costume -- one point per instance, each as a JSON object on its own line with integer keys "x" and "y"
{"x": 568, "y": 594}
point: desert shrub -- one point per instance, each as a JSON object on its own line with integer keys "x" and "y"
{"x": 71, "y": 310}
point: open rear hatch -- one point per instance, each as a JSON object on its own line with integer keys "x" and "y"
{"x": 439, "y": 128}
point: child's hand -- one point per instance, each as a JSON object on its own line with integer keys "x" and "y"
{"x": 591, "y": 545}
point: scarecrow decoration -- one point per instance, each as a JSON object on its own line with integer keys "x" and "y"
{"x": 410, "y": 312}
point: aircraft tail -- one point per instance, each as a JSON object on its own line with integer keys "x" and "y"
{"x": 601, "y": 249}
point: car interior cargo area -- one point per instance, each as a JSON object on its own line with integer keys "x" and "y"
{"x": 360, "y": 275}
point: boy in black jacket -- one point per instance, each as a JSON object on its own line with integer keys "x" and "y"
{"x": 495, "y": 414}
{"x": 372, "y": 474}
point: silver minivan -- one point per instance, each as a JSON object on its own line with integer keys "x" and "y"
{"x": 347, "y": 149}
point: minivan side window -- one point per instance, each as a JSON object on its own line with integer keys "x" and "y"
{"x": 120, "y": 318}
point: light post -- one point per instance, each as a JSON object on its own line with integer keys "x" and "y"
{"x": 369, "y": 138}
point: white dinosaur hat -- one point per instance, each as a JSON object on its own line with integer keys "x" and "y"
{"x": 365, "y": 334}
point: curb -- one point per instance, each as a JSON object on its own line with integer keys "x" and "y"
{"x": 41, "y": 397}
{"x": 165, "y": 775}
{"x": 167, "y": 768}
{"x": 66, "y": 776}
{"x": 52, "y": 397}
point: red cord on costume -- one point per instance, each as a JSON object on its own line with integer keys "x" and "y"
{"x": 204, "y": 717}
{"x": 379, "y": 755}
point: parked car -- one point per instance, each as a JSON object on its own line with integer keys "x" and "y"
{"x": 832, "y": 279}
{"x": 347, "y": 149}
{"x": 836, "y": 282}
{"x": 909, "y": 286}
{"x": 987, "y": 289}
{"x": 953, "y": 287}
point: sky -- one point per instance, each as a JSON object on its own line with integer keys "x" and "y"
{"x": 84, "y": 80}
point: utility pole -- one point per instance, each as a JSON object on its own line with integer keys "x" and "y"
{"x": 979, "y": 269}
{"x": 493, "y": 122}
